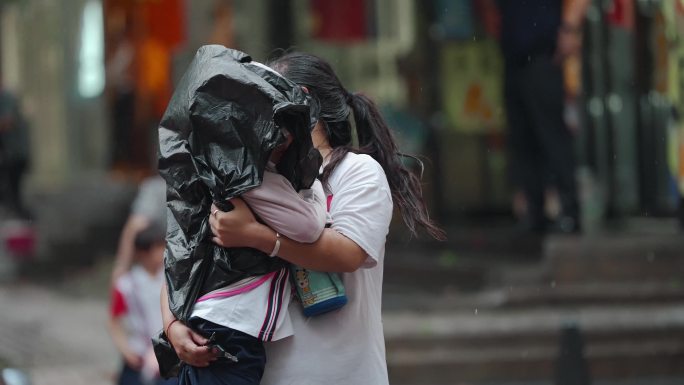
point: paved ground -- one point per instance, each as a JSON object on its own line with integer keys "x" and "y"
{"x": 57, "y": 332}
{"x": 58, "y": 339}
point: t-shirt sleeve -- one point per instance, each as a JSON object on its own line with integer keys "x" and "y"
{"x": 361, "y": 207}
{"x": 298, "y": 216}
{"x": 117, "y": 306}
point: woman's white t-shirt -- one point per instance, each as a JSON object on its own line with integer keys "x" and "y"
{"x": 346, "y": 346}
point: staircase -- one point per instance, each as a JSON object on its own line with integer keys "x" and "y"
{"x": 622, "y": 291}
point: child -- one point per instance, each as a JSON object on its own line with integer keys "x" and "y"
{"x": 238, "y": 316}
{"x": 135, "y": 315}
{"x": 248, "y": 312}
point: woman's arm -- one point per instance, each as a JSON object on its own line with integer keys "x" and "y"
{"x": 189, "y": 345}
{"x": 332, "y": 252}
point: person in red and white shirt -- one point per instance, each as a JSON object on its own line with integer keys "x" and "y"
{"x": 134, "y": 312}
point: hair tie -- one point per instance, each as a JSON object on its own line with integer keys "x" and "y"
{"x": 349, "y": 97}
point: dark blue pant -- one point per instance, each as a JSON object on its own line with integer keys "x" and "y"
{"x": 249, "y": 351}
{"x": 540, "y": 145}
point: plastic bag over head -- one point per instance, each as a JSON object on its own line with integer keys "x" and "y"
{"x": 225, "y": 118}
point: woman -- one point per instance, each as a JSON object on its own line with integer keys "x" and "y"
{"x": 363, "y": 176}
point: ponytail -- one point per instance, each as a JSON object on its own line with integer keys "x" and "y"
{"x": 376, "y": 139}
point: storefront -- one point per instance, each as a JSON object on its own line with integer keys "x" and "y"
{"x": 107, "y": 68}
{"x": 631, "y": 142}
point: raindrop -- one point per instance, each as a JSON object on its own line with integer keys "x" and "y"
{"x": 475, "y": 311}
{"x": 650, "y": 257}
{"x": 553, "y": 284}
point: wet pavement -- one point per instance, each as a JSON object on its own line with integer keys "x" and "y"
{"x": 58, "y": 334}
{"x": 449, "y": 319}
{"x": 56, "y": 338}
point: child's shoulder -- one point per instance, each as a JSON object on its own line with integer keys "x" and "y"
{"x": 127, "y": 280}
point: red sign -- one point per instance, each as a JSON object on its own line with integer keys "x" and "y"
{"x": 341, "y": 21}
{"x": 621, "y": 14}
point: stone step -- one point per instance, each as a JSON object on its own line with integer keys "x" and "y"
{"x": 493, "y": 345}
{"x": 434, "y": 278}
{"x": 490, "y": 236}
{"x": 587, "y": 294}
{"x": 445, "y": 296}
{"x": 545, "y": 339}
{"x": 486, "y": 365}
{"x": 621, "y": 257}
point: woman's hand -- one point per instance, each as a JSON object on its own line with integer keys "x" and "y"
{"x": 235, "y": 228}
{"x": 190, "y": 346}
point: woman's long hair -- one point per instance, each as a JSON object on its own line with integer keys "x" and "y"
{"x": 373, "y": 135}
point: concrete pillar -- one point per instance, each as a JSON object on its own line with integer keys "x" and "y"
{"x": 41, "y": 47}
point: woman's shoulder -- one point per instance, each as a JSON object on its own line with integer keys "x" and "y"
{"x": 355, "y": 168}
{"x": 363, "y": 163}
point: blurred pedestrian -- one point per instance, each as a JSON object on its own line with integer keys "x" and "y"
{"x": 121, "y": 89}
{"x": 135, "y": 313}
{"x": 149, "y": 207}
{"x": 536, "y": 37}
{"x": 14, "y": 152}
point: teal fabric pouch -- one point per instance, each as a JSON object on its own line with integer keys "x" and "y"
{"x": 318, "y": 292}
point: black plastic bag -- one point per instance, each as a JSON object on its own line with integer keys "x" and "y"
{"x": 169, "y": 363}
{"x": 215, "y": 139}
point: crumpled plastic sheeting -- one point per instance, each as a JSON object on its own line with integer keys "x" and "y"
{"x": 215, "y": 139}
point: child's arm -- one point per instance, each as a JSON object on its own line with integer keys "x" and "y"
{"x": 298, "y": 216}
{"x": 118, "y": 331}
{"x": 190, "y": 346}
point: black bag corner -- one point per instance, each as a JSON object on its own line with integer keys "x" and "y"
{"x": 169, "y": 362}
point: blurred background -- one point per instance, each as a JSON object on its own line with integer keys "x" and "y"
{"x": 83, "y": 84}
